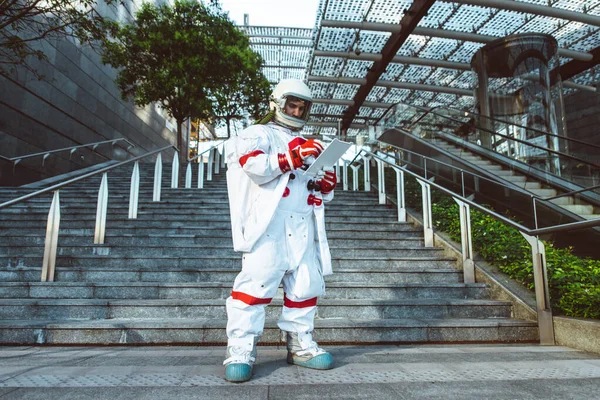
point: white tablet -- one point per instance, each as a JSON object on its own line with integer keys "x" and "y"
{"x": 328, "y": 157}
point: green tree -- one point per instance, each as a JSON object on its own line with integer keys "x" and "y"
{"x": 24, "y": 23}
{"x": 246, "y": 95}
{"x": 180, "y": 56}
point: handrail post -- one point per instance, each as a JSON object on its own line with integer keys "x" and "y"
{"x": 134, "y": 191}
{"x": 542, "y": 293}
{"x": 101, "y": 211}
{"x": 201, "y": 172}
{"x": 345, "y": 174}
{"x": 188, "y": 176}
{"x": 427, "y": 224}
{"x": 337, "y": 167}
{"x": 44, "y": 158}
{"x": 400, "y": 195}
{"x": 51, "y": 243}
{"x": 217, "y": 160}
{"x": 157, "y": 178}
{"x": 380, "y": 181}
{"x": 15, "y": 162}
{"x": 209, "y": 171}
{"x": 223, "y": 156}
{"x": 466, "y": 241}
{"x": 367, "y": 173}
{"x": 175, "y": 171}
{"x": 355, "y": 169}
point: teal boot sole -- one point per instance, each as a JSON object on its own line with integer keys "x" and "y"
{"x": 238, "y": 372}
{"x": 322, "y": 361}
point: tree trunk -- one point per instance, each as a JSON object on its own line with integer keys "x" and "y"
{"x": 228, "y": 128}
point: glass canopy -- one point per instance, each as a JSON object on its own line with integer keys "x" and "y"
{"x": 431, "y": 67}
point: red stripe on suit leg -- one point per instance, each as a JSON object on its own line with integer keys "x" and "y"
{"x": 250, "y": 300}
{"x": 299, "y": 304}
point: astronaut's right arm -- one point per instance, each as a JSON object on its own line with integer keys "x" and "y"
{"x": 251, "y": 151}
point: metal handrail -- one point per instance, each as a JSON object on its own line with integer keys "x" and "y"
{"x": 205, "y": 151}
{"x": 532, "y": 232}
{"x": 188, "y": 171}
{"x": 529, "y": 129}
{"x": 473, "y": 174}
{"x": 462, "y": 171}
{"x": 79, "y": 178}
{"x": 432, "y": 109}
{"x": 572, "y": 193}
{"x": 94, "y": 145}
{"x": 542, "y": 293}
{"x": 513, "y": 139}
{"x": 516, "y": 188}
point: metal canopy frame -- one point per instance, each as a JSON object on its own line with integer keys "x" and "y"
{"x": 355, "y": 71}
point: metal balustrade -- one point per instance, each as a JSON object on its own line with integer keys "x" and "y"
{"x": 218, "y": 159}
{"x": 72, "y": 150}
{"x": 542, "y": 294}
{"x": 53, "y": 222}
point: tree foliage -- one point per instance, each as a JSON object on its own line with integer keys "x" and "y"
{"x": 245, "y": 96}
{"x": 184, "y": 57}
{"x": 24, "y": 23}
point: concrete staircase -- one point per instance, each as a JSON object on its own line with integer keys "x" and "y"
{"x": 163, "y": 278}
{"x": 569, "y": 203}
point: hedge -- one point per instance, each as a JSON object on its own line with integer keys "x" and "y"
{"x": 574, "y": 282}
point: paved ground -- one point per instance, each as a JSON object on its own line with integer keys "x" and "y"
{"x": 362, "y": 372}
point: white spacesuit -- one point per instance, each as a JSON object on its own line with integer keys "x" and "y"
{"x": 278, "y": 224}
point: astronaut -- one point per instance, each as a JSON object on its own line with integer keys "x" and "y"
{"x": 277, "y": 220}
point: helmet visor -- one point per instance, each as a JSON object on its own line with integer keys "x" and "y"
{"x": 297, "y": 107}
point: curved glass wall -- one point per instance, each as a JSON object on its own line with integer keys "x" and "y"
{"x": 517, "y": 85}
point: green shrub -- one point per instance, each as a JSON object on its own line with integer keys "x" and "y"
{"x": 574, "y": 282}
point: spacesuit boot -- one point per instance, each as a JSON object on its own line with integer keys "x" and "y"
{"x": 241, "y": 355}
{"x": 304, "y": 352}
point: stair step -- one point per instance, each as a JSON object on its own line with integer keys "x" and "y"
{"x": 218, "y": 250}
{"x": 86, "y": 309}
{"x": 163, "y": 278}
{"x": 197, "y": 232}
{"x": 579, "y": 209}
{"x": 339, "y": 239}
{"x": 544, "y": 192}
{"x": 232, "y": 261}
{"x": 222, "y": 290}
{"x": 212, "y": 331}
{"x": 378, "y": 274}
{"x": 156, "y": 225}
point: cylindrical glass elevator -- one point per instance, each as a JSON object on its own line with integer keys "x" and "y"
{"x": 518, "y": 93}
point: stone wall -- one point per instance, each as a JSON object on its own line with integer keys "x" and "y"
{"x": 77, "y": 103}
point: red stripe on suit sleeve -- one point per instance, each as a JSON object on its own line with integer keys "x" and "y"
{"x": 296, "y": 142}
{"x": 244, "y": 158}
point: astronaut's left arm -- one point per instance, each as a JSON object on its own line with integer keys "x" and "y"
{"x": 327, "y": 182}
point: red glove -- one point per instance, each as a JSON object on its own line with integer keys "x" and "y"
{"x": 294, "y": 158}
{"x": 328, "y": 182}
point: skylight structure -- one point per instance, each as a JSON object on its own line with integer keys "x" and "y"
{"x": 365, "y": 55}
